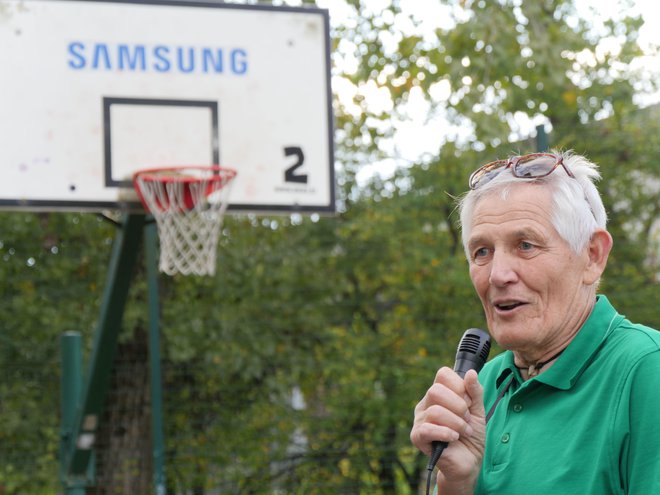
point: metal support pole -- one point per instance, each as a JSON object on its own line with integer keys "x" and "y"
{"x": 157, "y": 440}
{"x": 71, "y": 386}
{"x": 541, "y": 138}
{"x": 124, "y": 253}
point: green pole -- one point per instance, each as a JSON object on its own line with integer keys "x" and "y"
{"x": 71, "y": 386}
{"x": 157, "y": 440}
{"x": 541, "y": 138}
{"x": 94, "y": 391}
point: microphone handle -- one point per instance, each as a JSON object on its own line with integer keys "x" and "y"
{"x": 438, "y": 448}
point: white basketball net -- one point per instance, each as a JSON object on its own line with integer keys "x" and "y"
{"x": 188, "y": 204}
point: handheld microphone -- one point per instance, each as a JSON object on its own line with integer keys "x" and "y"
{"x": 471, "y": 354}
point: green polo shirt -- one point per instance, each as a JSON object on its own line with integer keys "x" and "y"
{"x": 590, "y": 424}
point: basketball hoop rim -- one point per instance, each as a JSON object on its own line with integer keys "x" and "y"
{"x": 216, "y": 178}
{"x": 220, "y": 173}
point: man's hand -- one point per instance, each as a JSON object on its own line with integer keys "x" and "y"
{"x": 453, "y": 411}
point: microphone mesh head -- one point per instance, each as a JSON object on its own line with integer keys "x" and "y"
{"x": 476, "y": 342}
{"x": 485, "y": 350}
{"x": 470, "y": 343}
{"x": 472, "y": 351}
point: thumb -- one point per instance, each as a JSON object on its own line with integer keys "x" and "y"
{"x": 476, "y": 393}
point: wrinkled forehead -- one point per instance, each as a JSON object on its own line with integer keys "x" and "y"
{"x": 524, "y": 213}
{"x": 514, "y": 197}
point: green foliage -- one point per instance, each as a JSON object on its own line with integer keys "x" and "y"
{"x": 625, "y": 148}
{"x": 352, "y": 313}
{"x": 51, "y": 267}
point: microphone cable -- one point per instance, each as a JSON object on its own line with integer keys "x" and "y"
{"x": 431, "y": 465}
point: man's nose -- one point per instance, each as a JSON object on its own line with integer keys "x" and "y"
{"x": 503, "y": 269}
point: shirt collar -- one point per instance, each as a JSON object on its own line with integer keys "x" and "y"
{"x": 568, "y": 367}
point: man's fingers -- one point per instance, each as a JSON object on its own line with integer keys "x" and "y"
{"x": 443, "y": 396}
{"x": 445, "y": 413}
{"x": 450, "y": 379}
{"x": 424, "y": 434}
{"x": 476, "y": 393}
{"x": 437, "y": 422}
{"x": 441, "y": 416}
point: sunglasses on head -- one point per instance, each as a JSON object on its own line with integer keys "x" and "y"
{"x": 532, "y": 166}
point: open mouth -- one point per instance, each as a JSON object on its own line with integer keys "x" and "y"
{"x": 508, "y": 306}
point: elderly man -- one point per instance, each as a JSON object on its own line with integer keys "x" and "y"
{"x": 574, "y": 401}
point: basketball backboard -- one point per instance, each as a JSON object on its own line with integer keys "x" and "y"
{"x": 92, "y": 91}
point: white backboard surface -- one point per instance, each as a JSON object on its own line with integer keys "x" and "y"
{"x": 91, "y": 91}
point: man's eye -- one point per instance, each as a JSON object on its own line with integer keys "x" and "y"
{"x": 481, "y": 253}
{"x": 526, "y": 246}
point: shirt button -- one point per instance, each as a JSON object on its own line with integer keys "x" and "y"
{"x": 505, "y": 438}
{"x": 517, "y": 407}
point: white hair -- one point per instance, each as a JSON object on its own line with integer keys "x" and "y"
{"x": 578, "y": 209}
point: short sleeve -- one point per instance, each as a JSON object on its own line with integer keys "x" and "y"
{"x": 640, "y": 461}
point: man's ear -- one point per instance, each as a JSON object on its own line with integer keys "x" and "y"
{"x": 598, "y": 251}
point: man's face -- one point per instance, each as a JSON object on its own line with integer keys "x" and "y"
{"x": 529, "y": 280}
